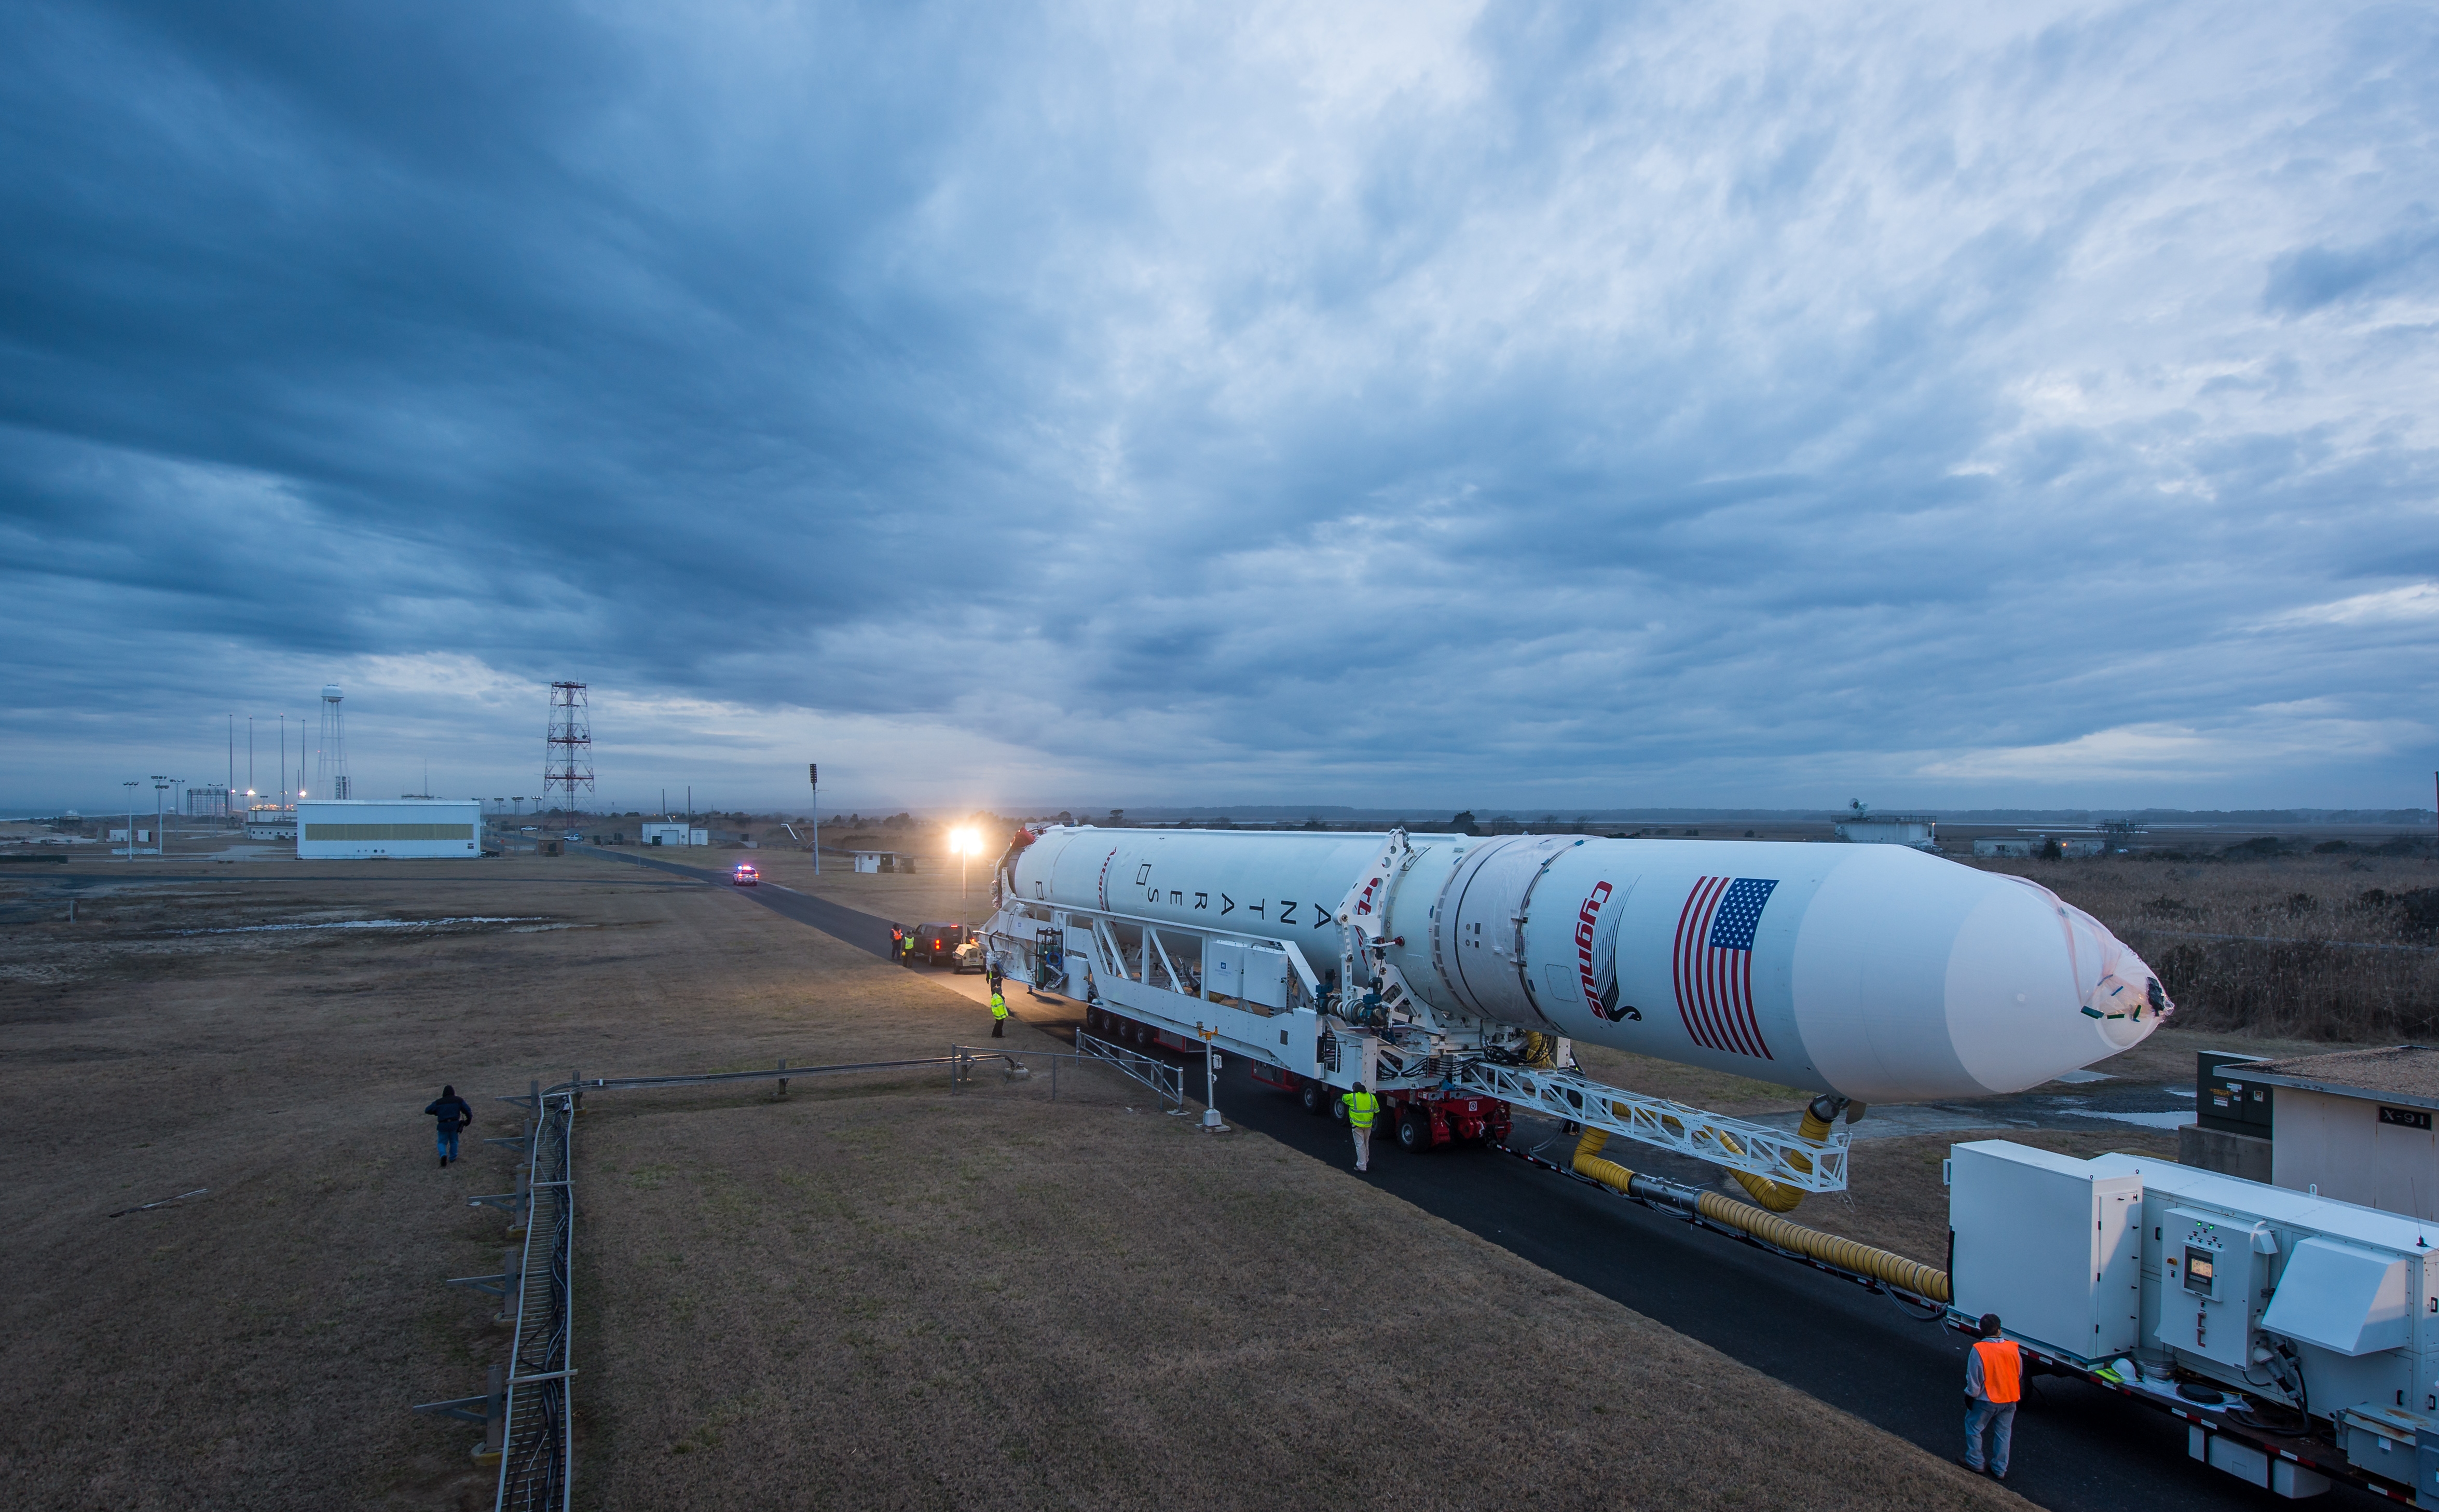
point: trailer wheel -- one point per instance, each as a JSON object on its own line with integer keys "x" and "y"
{"x": 1414, "y": 1129}
{"x": 1337, "y": 1111}
{"x": 1316, "y": 1096}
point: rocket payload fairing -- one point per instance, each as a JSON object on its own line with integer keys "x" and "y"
{"x": 1875, "y": 973}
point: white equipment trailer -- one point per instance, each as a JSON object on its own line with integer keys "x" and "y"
{"x": 2297, "y": 1336}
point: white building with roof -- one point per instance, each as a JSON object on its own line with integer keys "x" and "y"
{"x": 395, "y": 829}
{"x": 1890, "y": 829}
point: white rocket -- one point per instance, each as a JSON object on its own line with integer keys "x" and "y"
{"x": 1875, "y": 973}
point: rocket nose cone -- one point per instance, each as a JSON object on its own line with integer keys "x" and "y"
{"x": 1916, "y": 978}
{"x": 2037, "y": 986}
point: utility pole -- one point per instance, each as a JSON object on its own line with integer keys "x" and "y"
{"x": 813, "y": 771}
{"x": 131, "y": 785}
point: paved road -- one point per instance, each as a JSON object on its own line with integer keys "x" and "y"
{"x": 858, "y": 929}
{"x": 2077, "y": 1449}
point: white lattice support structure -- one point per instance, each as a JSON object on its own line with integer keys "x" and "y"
{"x": 1753, "y": 1148}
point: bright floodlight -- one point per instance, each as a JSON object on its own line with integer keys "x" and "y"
{"x": 964, "y": 842}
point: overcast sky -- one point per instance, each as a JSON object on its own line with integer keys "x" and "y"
{"x": 1590, "y": 405}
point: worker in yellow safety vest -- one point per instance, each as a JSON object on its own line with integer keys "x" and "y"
{"x": 1362, "y": 1108}
{"x": 1994, "y": 1371}
{"x": 999, "y": 1015}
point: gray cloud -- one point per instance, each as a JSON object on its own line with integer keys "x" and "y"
{"x": 2309, "y": 277}
{"x": 1398, "y": 406}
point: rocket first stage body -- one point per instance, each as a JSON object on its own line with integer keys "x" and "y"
{"x": 1875, "y": 973}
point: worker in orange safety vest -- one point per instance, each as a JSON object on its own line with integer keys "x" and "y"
{"x": 1994, "y": 1383}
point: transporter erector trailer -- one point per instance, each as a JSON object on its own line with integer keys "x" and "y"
{"x": 1454, "y": 965}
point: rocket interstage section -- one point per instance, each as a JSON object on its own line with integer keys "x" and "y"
{"x": 1873, "y": 971}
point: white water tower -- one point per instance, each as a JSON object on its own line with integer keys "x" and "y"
{"x": 331, "y": 760}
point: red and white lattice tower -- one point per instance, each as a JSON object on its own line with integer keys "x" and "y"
{"x": 568, "y": 750}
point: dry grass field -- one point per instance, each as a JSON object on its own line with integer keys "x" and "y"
{"x": 873, "y": 1293}
{"x": 2321, "y": 946}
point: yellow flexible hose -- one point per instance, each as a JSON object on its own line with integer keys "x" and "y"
{"x": 1588, "y": 1160}
{"x": 1928, "y": 1282}
{"x": 1776, "y": 1195}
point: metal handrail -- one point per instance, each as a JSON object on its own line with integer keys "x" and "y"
{"x": 537, "y": 1459}
{"x": 783, "y": 1071}
{"x": 537, "y": 1462}
{"x": 1166, "y": 1081}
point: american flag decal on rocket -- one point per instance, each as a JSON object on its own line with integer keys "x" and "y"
{"x": 1712, "y": 963}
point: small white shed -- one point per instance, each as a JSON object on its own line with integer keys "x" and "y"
{"x": 675, "y": 834}
{"x": 1891, "y": 829}
{"x": 2357, "y": 1125}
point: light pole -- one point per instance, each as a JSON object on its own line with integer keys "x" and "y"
{"x": 813, "y": 771}
{"x": 1211, "y": 1124}
{"x": 965, "y": 843}
{"x": 160, "y": 786}
{"x": 131, "y": 785}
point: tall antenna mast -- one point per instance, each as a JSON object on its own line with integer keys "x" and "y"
{"x": 568, "y": 749}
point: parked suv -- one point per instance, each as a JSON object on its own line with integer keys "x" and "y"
{"x": 936, "y": 944}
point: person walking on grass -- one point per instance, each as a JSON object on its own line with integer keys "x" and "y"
{"x": 1362, "y": 1108}
{"x": 451, "y": 1114}
{"x": 1993, "y": 1384}
{"x": 998, "y": 1014}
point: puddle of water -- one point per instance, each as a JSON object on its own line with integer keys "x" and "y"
{"x": 2172, "y": 1120}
